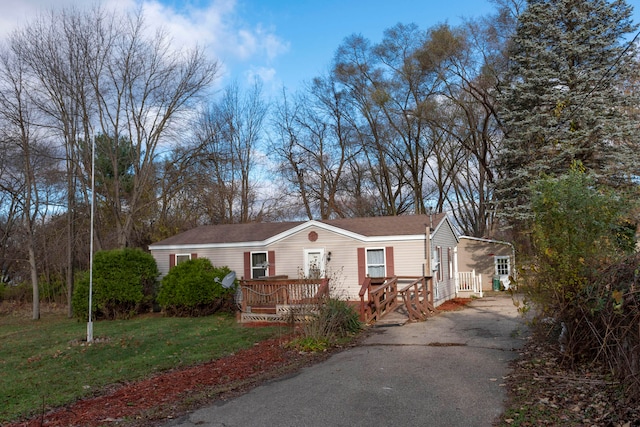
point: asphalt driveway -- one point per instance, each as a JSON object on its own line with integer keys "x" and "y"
{"x": 447, "y": 371}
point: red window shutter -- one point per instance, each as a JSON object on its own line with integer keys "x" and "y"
{"x": 362, "y": 266}
{"x": 194, "y": 256}
{"x": 247, "y": 265}
{"x": 389, "y": 261}
{"x": 271, "y": 259}
{"x": 172, "y": 260}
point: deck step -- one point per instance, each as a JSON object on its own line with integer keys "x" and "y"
{"x": 263, "y": 310}
{"x": 392, "y": 319}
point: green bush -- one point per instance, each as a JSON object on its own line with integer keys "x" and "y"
{"x": 124, "y": 284}
{"x": 331, "y": 323}
{"x": 576, "y": 233}
{"x": 580, "y": 232}
{"x": 21, "y": 293}
{"x": 193, "y": 288}
{"x": 53, "y": 289}
{"x": 339, "y": 318}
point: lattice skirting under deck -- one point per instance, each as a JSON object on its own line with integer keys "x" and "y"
{"x": 284, "y": 314}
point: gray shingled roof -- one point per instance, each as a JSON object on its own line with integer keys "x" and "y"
{"x": 387, "y": 225}
{"x": 229, "y": 233}
{"x": 255, "y": 231}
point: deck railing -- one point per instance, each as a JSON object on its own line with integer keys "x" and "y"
{"x": 381, "y": 296}
{"x": 469, "y": 281}
{"x": 273, "y": 292}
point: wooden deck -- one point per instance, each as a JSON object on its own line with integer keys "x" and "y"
{"x": 297, "y": 300}
{"x": 281, "y": 299}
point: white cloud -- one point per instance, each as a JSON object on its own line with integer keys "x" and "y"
{"x": 265, "y": 74}
{"x": 271, "y": 43}
{"x": 16, "y": 13}
{"x": 216, "y": 26}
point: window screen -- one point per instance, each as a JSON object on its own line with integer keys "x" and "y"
{"x": 182, "y": 258}
{"x": 375, "y": 263}
{"x": 502, "y": 266}
{"x": 258, "y": 265}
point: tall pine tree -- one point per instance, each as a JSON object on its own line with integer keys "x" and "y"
{"x": 567, "y": 98}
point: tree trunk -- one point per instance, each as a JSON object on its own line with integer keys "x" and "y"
{"x": 71, "y": 209}
{"x": 34, "y": 278}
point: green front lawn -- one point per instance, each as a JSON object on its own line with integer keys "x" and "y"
{"x": 48, "y": 361}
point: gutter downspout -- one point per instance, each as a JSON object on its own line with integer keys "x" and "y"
{"x": 427, "y": 261}
{"x": 456, "y": 277}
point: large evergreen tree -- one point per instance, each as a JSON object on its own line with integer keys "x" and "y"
{"x": 566, "y": 97}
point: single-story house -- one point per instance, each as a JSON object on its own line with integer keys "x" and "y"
{"x": 489, "y": 259}
{"x": 344, "y": 250}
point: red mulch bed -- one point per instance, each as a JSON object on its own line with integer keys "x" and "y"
{"x": 167, "y": 395}
{"x": 454, "y": 304}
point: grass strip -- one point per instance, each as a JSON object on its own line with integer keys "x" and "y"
{"x": 48, "y": 362}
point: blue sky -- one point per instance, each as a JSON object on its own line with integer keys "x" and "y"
{"x": 285, "y": 42}
{"x": 313, "y": 30}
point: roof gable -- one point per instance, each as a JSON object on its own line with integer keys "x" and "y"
{"x": 446, "y": 223}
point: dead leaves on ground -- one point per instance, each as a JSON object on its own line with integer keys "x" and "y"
{"x": 542, "y": 391}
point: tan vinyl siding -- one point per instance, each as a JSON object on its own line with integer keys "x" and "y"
{"x": 479, "y": 255}
{"x": 409, "y": 254}
{"x": 342, "y": 268}
{"x": 230, "y": 257}
{"x": 409, "y": 257}
{"x": 162, "y": 260}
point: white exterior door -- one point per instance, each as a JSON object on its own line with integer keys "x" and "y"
{"x": 503, "y": 270}
{"x": 314, "y": 263}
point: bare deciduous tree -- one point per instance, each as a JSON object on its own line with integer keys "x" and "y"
{"x": 55, "y": 48}
{"x": 317, "y": 145}
{"x": 143, "y": 87}
{"x": 96, "y": 73}
{"x": 26, "y": 159}
{"x": 228, "y": 137}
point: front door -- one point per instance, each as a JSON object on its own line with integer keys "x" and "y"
{"x": 503, "y": 270}
{"x": 314, "y": 263}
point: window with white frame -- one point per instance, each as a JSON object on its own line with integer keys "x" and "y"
{"x": 450, "y": 259}
{"x": 259, "y": 265}
{"x": 182, "y": 258}
{"x": 375, "y": 262}
{"x": 503, "y": 266}
{"x": 436, "y": 263}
